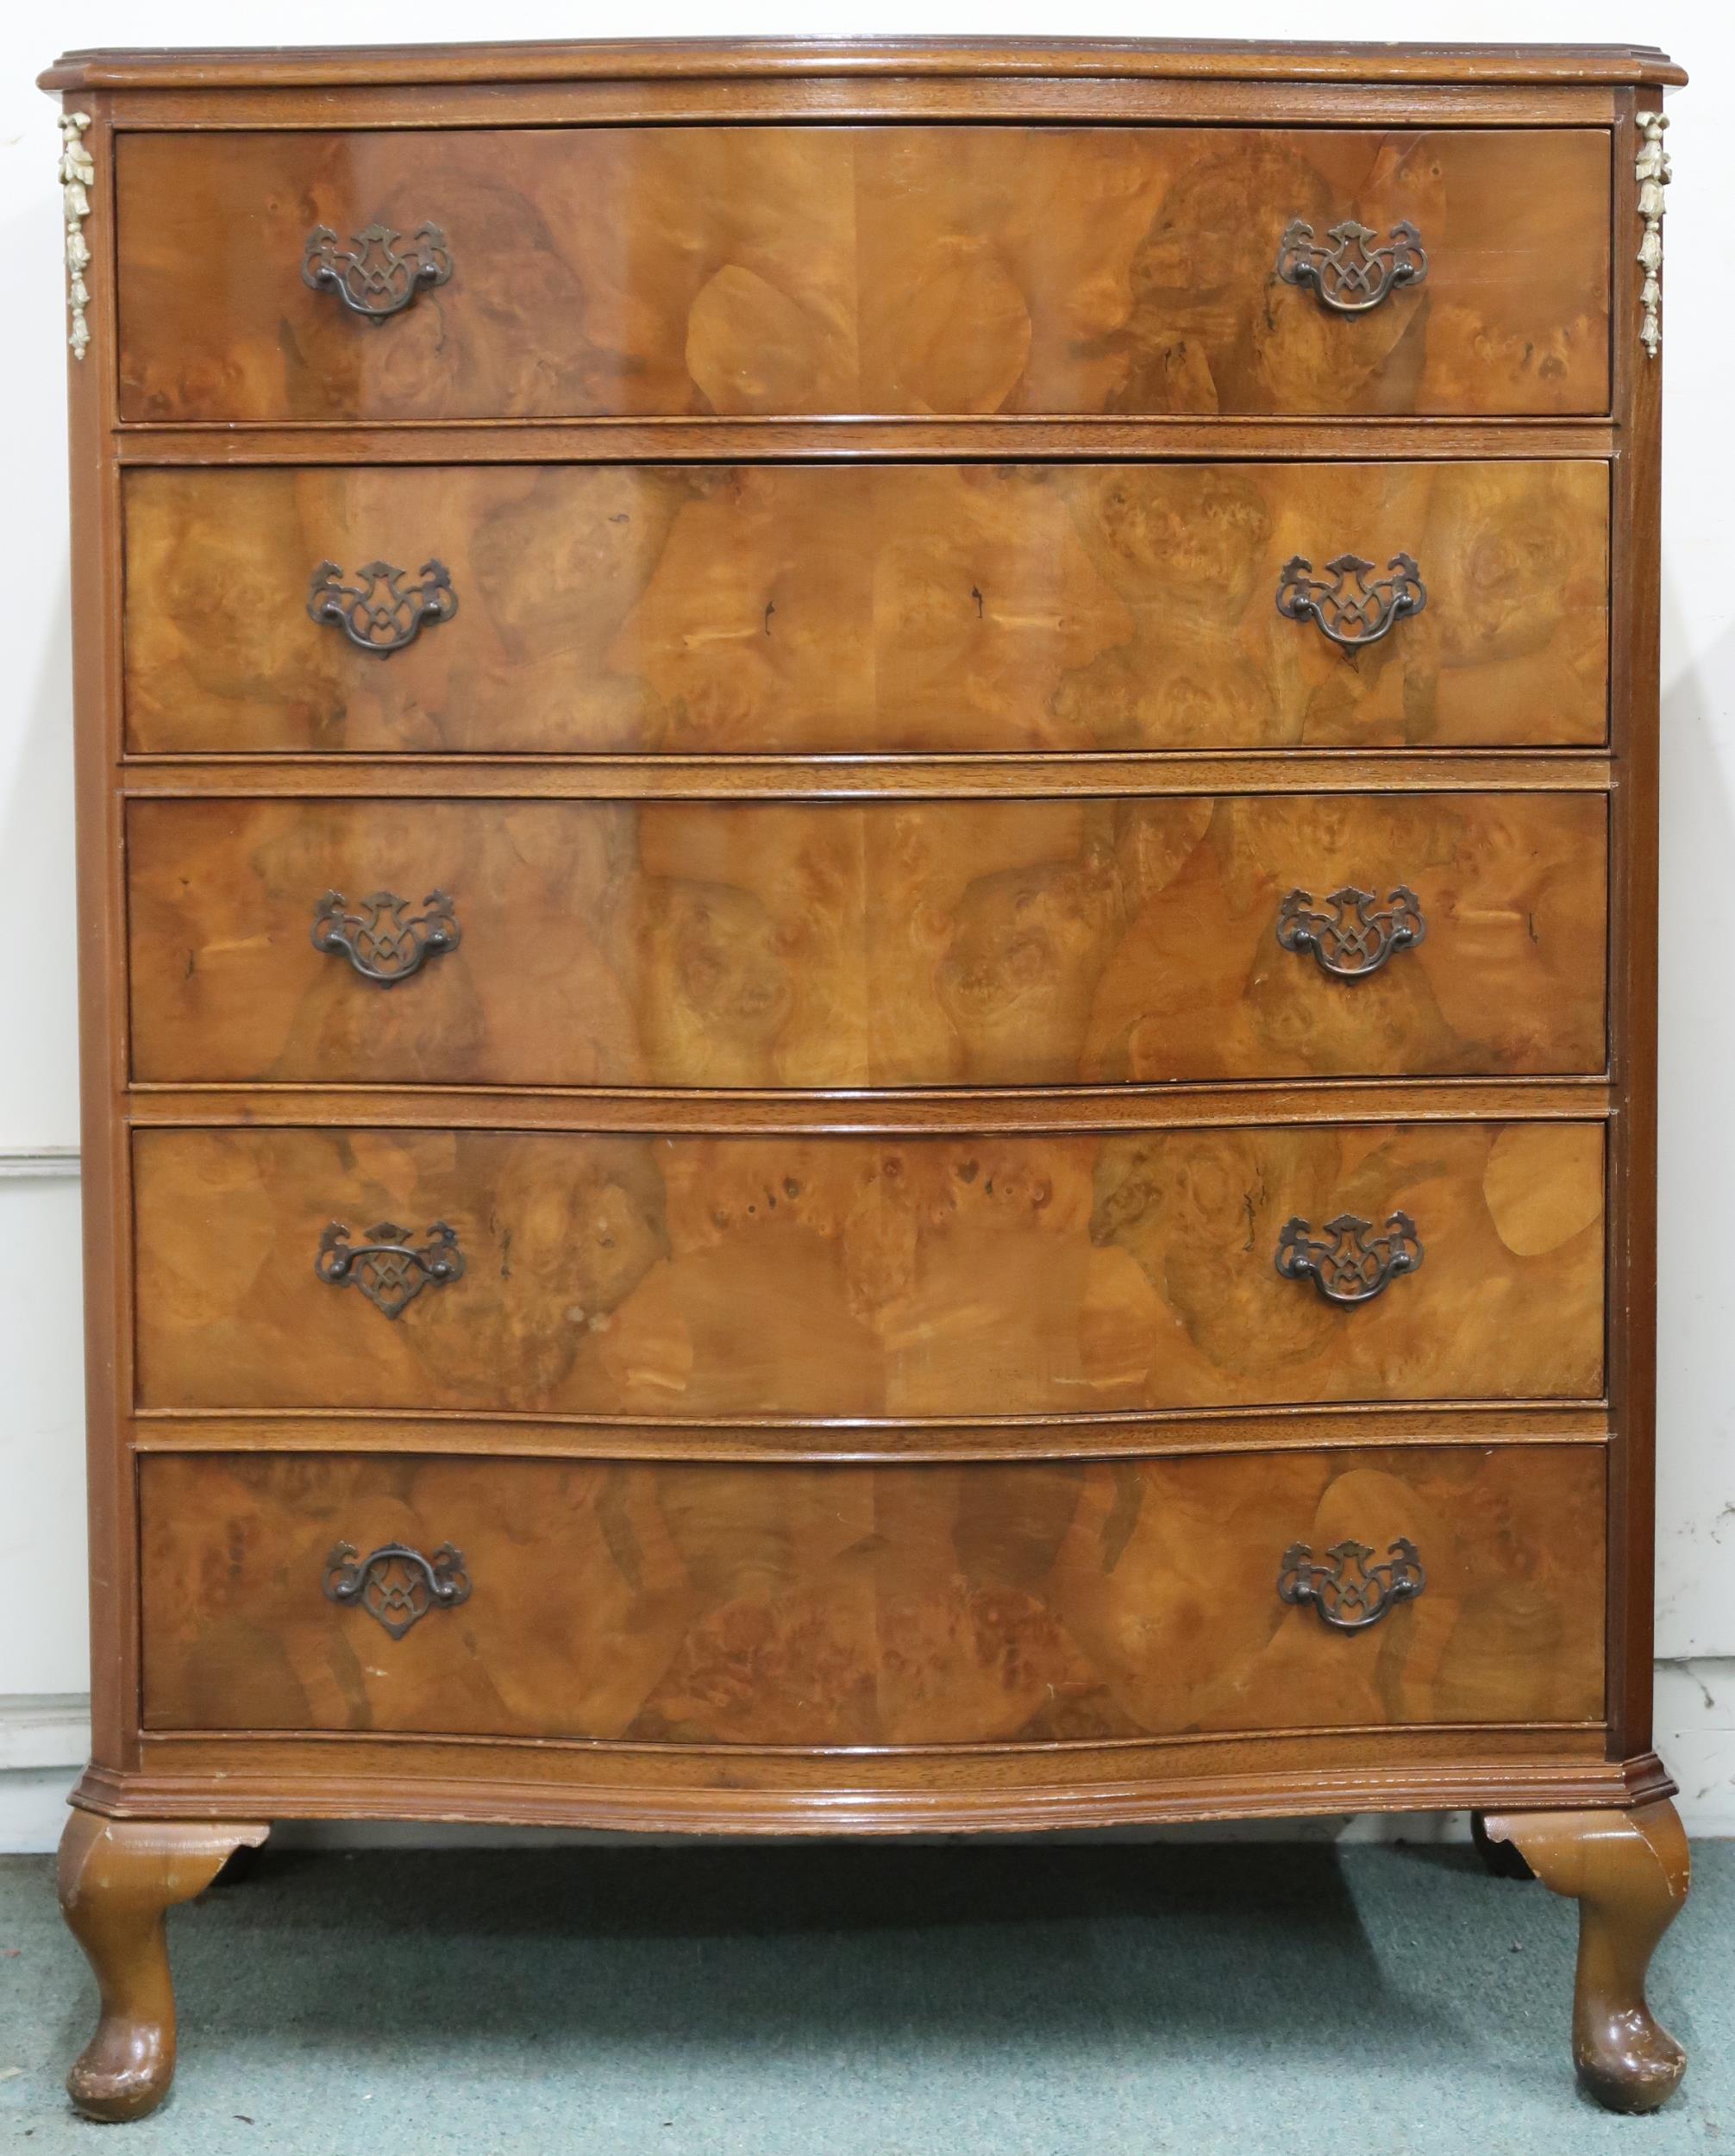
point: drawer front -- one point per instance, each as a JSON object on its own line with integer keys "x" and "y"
{"x": 685, "y": 1277}
{"x": 894, "y": 270}
{"x": 671, "y": 609}
{"x": 858, "y": 1606}
{"x": 921, "y": 943}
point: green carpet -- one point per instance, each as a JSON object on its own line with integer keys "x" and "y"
{"x": 1059, "y": 2000}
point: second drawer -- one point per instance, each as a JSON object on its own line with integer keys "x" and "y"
{"x": 867, "y": 610}
{"x": 891, "y": 944}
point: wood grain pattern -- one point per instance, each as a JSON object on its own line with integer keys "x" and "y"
{"x": 922, "y": 944}
{"x": 1629, "y": 1874}
{"x": 117, "y": 1881}
{"x": 882, "y": 270}
{"x": 894, "y": 1111}
{"x": 1202, "y": 438}
{"x": 104, "y": 1162}
{"x": 1635, "y": 684}
{"x": 671, "y": 609}
{"x": 788, "y": 60}
{"x": 688, "y": 1277}
{"x": 955, "y": 252}
{"x": 1092, "y": 1437}
{"x": 732, "y": 778}
{"x": 1017, "y": 100}
{"x": 542, "y": 1781}
{"x": 850, "y": 1606}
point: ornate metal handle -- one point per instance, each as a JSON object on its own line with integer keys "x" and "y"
{"x": 1348, "y": 1593}
{"x": 1354, "y": 1266}
{"x": 396, "y": 1585}
{"x": 1351, "y": 615}
{"x": 387, "y": 1268}
{"x": 1351, "y": 941}
{"x": 372, "y": 277}
{"x": 378, "y": 614}
{"x": 1349, "y": 276}
{"x": 378, "y": 941}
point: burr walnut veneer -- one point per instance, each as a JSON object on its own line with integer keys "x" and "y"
{"x": 868, "y": 855}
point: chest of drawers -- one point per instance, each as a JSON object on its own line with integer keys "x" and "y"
{"x": 868, "y": 855}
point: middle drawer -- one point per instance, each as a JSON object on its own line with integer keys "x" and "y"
{"x": 885, "y": 944}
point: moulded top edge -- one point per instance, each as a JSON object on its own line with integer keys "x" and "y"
{"x": 310, "y": 67}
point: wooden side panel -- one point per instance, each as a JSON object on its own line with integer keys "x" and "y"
{"x": 801, "y": 609}
{"x": 858, "y": 1606}
{"x": 1636, "y": 715}
{"x": 898, "y": 269}
{"x": 104, "y": 1169}
{"x": 890, "y": 945}
{"x": 684, "y": 1277}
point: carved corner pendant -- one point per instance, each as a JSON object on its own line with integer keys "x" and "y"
{"x": 78, "y": 177}
{"x": 1653, "y": 171}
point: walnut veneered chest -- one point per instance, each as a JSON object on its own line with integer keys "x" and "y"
{"x": 868, "y": 862}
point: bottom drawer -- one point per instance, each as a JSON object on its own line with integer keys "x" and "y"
{"x": 900, "y": 1604}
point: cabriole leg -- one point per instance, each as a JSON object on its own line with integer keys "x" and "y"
{"x": 117, "y": 1878}
{"x": 1628, "y": 1872}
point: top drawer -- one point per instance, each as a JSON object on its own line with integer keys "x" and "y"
{"x": 887, "y": 270}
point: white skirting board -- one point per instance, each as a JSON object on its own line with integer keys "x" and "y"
{"x": 38, "y": 1163}
{"x": 42, "y": 1743}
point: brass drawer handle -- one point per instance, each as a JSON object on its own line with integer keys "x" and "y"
{"x": 1348, "y": 1593}
{"x": 377, "y": 613}
{"x": 378, "y": 941}
{"x": 1353, "y": 938}
{"x": 372, "y": 277}
{"x": 1352, "y": 616}
{"x": 1349, "y": 277}
{"x": 396, "y": 1585}
{"x": 1354, "y": 1265}
{"x": 387, "y": 1268}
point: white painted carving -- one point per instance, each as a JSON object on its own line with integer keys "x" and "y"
{"x": 78, "y": 177}
{"x": 1652, "y": 172}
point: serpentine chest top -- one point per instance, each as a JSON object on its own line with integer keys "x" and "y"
{"x": 868, "y": 852}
